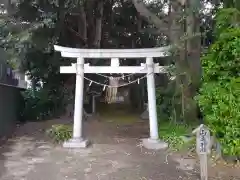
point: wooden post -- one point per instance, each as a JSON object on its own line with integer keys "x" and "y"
{"x": 202, "y": 147}
{"x": 93, "y": 104}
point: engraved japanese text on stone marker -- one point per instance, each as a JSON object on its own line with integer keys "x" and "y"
{"x": 202, "y": 148}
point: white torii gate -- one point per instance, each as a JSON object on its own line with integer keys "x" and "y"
{"x": 80, "y": 68}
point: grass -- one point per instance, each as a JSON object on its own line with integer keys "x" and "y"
{"x": 171, "y": 133}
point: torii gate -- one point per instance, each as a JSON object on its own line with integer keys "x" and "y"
{"x": 77, "y": 141}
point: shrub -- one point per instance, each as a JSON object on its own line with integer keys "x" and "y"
{"x": 60, "y": 133}
{"x": 220, "y": 104}
{"x": 41, "y": 104}
{"x": 219, "y": 97}
{"x": 172, "y": 134}
{"x": 37, "y": 105}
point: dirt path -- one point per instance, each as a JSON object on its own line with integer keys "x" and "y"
{"x": 29, "y": 155}
{"x": 116, "y": 154}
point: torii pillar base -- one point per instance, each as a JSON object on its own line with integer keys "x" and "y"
{"x": 76, "y": 143}
{"x": 154, "y": 144}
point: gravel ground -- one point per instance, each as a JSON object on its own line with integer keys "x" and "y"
{"x": 116, "y": 154}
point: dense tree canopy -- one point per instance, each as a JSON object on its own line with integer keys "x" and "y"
{"x": 33, "y": 27}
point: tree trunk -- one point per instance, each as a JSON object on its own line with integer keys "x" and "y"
{"x": 188, "y": 66}
{"x": 98, "y": 32}
{"x": 194, "y": 45}
{"x": 82, "y": 24}
{"x": 193, "y": 53}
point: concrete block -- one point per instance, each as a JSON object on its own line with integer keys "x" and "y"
{"x": 154, "y": 144}
{"x": 76, "y": 143}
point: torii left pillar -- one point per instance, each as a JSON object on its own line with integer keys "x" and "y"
{"x": 77, "y": 140}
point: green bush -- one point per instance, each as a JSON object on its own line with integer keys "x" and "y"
{"x": 60, "y": 133}
{"x": 219, "y": 97}
{"x": 41, "y": 104}
{"x": 220, "y": 104}
{"x": 37, "y": 104}
{"x": 172, "y": 134}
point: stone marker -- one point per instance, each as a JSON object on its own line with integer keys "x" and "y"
{"x": 203, "y": 149}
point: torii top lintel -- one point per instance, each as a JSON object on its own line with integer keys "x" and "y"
{"x": 113, "y": 53}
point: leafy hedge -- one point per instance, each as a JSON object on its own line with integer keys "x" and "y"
{"x": 219, "y": 96}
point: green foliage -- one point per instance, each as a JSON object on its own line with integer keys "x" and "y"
{"x": 220, "y": 104}
{"x": 171, "y": 133}
{"x": 168, "y": 103}
{"x": 41, "y": 104}
{"x": 173, "y": 106}
{"x": 219, "y": 96}
{"x": 60, "y": 133}
{"x": 226, "y": 19}
{"x": 30, "y": 31}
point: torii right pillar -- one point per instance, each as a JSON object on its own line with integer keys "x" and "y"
{"x": 153, "y": 142}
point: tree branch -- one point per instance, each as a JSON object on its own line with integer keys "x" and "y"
{"x": 148, "y": 15}
{"x": 161, "y": 23}
{"x": 77, "y": 34}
